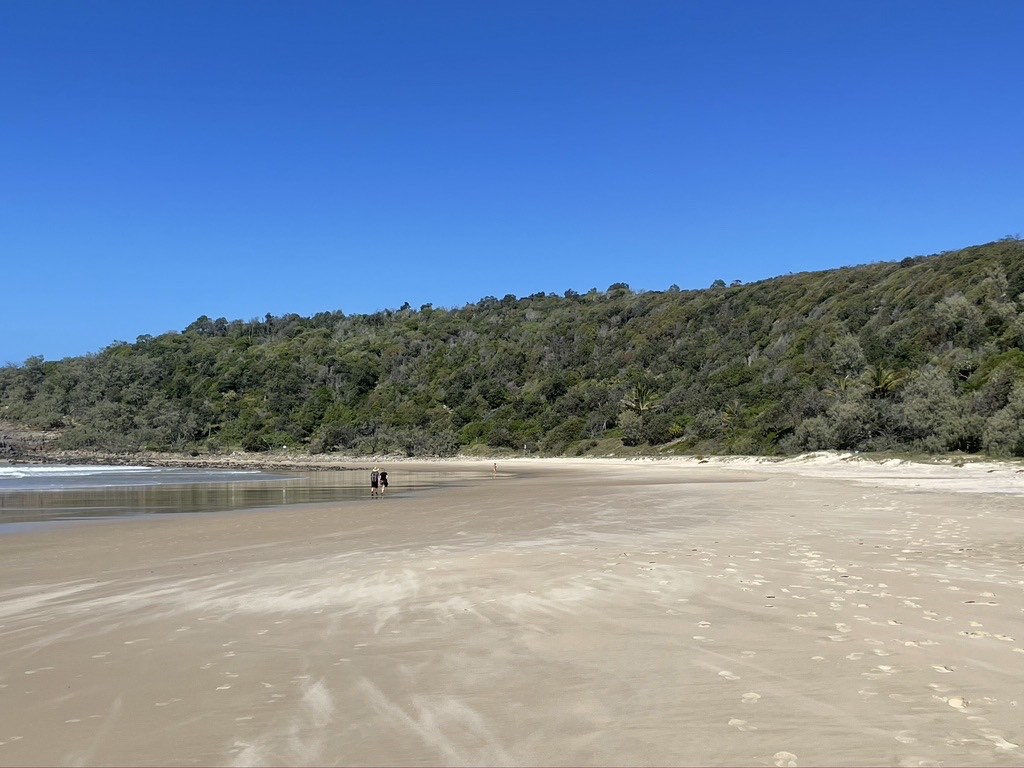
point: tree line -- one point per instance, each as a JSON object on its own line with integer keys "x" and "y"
{"x": 923, "y": 355}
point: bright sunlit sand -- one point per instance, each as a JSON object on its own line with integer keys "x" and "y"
{"x": 820, "y": 611}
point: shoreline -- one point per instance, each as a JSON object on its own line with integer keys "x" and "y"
{"x": 972, "y": 475}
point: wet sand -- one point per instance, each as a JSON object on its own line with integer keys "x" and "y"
{"x": 599, "y": 612}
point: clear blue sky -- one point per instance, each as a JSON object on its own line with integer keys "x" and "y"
{"x": 165, "y": 160}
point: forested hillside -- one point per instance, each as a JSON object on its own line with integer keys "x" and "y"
{"x": 926, "y": 354}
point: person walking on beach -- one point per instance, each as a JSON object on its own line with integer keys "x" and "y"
{"x": 382, "y": 480}
{"x": 374, "y": 481}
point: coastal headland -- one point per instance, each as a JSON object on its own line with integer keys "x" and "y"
{"x": 823, "y": 610}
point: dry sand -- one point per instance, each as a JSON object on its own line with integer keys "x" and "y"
{"x": 819, "y": 611}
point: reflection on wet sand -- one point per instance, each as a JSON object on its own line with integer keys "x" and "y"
{"x": 292, "y": 488}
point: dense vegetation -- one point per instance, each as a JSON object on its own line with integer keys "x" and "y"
{"x": 926, "y": 354}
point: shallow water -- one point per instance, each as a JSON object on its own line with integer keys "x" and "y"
{"x": 53, "y": 494}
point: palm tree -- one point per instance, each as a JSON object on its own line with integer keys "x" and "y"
{"x": 884, "y": 381}
{"x": 840, "y": 386}
{"x": 732, "y": 414}
{"x": 641, "y": 398}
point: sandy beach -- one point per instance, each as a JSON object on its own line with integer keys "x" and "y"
{"x": 816, "y": 611}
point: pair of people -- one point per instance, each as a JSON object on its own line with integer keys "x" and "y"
{"x": 378, "y": 481}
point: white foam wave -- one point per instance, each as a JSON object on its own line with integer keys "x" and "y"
{"x": 64, "y": 470}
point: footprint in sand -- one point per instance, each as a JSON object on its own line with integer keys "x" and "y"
{"x": 942, "y": 668}
{"x": 880, "y": 671}
{"x": 741, "y": 725}
{"x": 998, "y": 740}
{"x": 904, "y": 737}
{"x": 750, "y": 698}
{"x": 784, "y": 760}
{"x": 728, "y": 675}
{"x": 958, "y": 702}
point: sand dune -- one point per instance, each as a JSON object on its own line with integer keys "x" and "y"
{"x": 821, "y": 611}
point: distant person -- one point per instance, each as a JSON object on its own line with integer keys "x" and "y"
{"x": 383, "y": 481}
{"x": 374, "y": 481}
{"x": 495, "y": 471}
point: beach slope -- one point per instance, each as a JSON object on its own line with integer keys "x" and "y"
{"x": 554, "y": 612}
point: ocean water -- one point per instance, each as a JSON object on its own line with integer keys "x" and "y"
{"x": 57, "y": 477}
{"x": 54, "y": 493}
